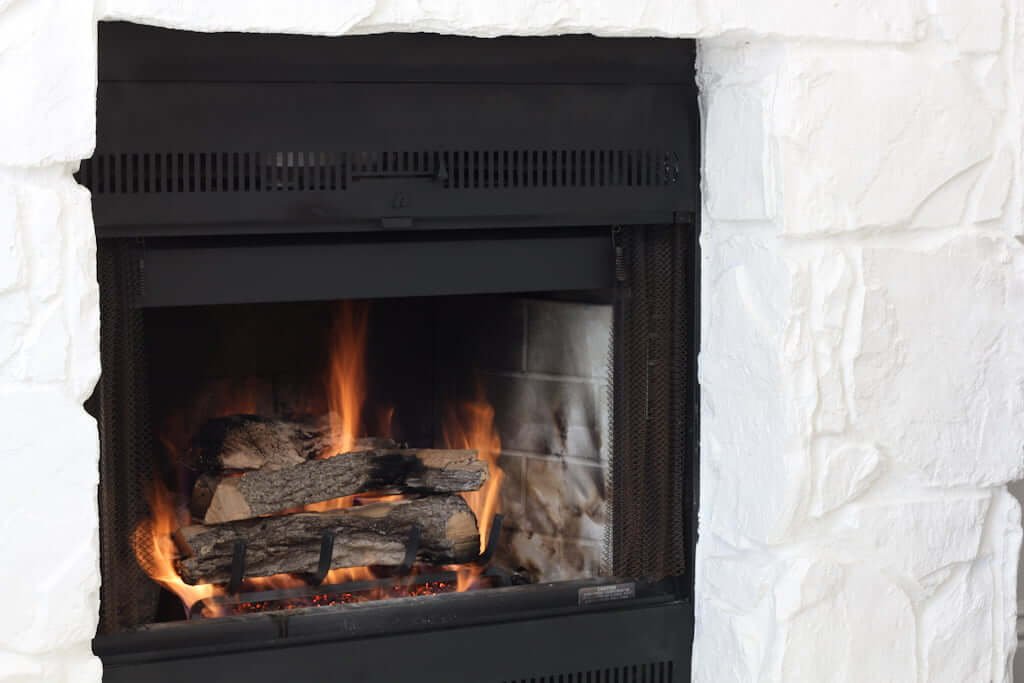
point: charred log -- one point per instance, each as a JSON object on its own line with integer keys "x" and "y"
{"x": 222, "y": 499}
{"x": 216, "y": 500}
{"x": 367, "y": 535}
{"x": 253, "y": 442}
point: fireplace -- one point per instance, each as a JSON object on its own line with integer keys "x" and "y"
{"x": 398, "y": 356}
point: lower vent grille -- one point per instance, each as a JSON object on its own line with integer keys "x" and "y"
{"x": 650, "y": 672}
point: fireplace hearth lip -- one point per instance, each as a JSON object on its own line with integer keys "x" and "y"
{"x": 380, "y": 618}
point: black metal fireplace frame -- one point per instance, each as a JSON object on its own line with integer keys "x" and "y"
{"x": 389, "y": 172}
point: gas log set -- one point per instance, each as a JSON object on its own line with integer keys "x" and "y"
{"x": 271, "y": 470}
{"x": 277, "y": 512}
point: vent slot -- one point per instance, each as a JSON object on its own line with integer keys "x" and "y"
{"x": 650, "y": 672}
{"x": 209, "y": 172}
{"x": 234, "y": 172}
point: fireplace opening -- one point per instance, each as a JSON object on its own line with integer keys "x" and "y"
{"x": 485, "y": 407}
{"x": 429, "y": 380}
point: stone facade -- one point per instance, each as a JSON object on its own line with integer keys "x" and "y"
{"x": 863, "y": 320}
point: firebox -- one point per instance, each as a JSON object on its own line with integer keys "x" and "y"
{"x": 398, "y": 357}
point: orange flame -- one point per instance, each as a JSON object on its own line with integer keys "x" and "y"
{"x": 346, "y": 381}
{"x": 155, "y": 551}
{"x": 472, "y": 426}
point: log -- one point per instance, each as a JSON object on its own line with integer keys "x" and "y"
{"x": 219, "y": 499}
{"x": 252, "y": 442}
{"x": 374, "y": 534}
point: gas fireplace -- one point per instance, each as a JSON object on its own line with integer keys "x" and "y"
{"x": 398, "y": 357}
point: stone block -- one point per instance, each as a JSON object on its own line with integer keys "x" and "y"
{"x": 883, "y": 112}
{"x": 564, "y": 499}
{"x": 52, "y": 318}
{"x": 860, "y": 20}
{"x": 736, "y": 174}
{"x": 843, "y": 470}
{"x": 831, "y": 616}
{"x": 608, "y": 17}
{"x": 975, "y": 26}
{"x": 940, "y": 366}
{"x": 75, "y": 664}
{"x": 565, "y": 338}
{"x": 994, "y": 188}
{"x": 48, "y": 81}
{"x": 964, "y": 606}
{"x": 550, "y": 416}
{"x": 547, "y": 558}
{"x": 11, "y": 250}
{"x": 921, "y": 539}
{"x": 752, "y": 470}
{"x": 50, "y": 573}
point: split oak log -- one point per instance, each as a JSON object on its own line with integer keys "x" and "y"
{"x": 219, "y": 499}
{"x": 253, "y": 442}
{"x": 374, "y": 534}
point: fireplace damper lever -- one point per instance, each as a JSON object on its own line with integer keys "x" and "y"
{"x": 326, "y": 555}
{"x": 237, "y": 566}
{"x": 492, "y": 540}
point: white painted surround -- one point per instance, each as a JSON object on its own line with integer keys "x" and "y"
{"x": 863, "y": 320}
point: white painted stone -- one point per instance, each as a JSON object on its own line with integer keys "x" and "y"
{"x": 941, "y": 373}
{"x": 322, "y": 17}
{"x": 75, "y": 664}
{"x": 845, "y": 470}
{"x": 749, "y": 478}
{"x": 904, "y": 124}
{"x": 975, "y": 26}
{"x": 45, "y": 349}
{"x": 51, "y": 331}
{"x": 734, "y": 182}
{"x": 844, "y": 624}
{"x": 48, "y": 81}
{"x": 915, "y": 537}
{"x": 995, "y": 188}
{"x": 81, "y": 291}
{"x": 10, "y": 239}
{"x": 53, "y": 586}
{"x": 861, "y": 20}
{"x": 845, "y": 19}
{"x": 15, "y": 316}
{"x": 16, "y": 668}
{"x": 40, "y": 209}
{"x": 964, "y": 606}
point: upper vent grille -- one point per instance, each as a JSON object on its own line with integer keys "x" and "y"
{"x": 220, "y": 172}
{"x": 651, "y": 672}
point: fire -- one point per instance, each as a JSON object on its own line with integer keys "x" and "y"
{"x": 472, "y": 426}
{"x": 346, "y": 380}
{"x": 155, "y": 551}
{"x": 469, "y": 425}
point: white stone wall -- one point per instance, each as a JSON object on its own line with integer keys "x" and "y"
{"x": 863, "y": 347}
